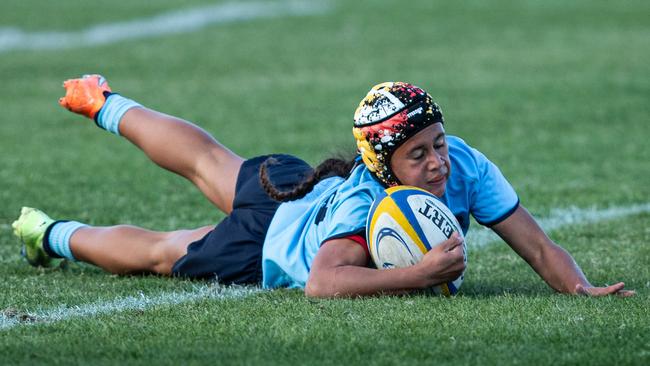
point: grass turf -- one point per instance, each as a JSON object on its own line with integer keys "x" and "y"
{"x": 554, "y": 93}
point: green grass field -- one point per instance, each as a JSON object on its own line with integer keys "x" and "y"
{"x": 556, "y": 93}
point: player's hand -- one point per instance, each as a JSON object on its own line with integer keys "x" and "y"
{"x": 616, "y": 289}
{"x": 85, "y": 95}
{"x": 444, "y": 262}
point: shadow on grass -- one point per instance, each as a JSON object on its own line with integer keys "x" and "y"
{"x": 484, "y": 289}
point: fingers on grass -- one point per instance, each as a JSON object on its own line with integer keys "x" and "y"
{"x": 615, "y": 289}
{"x": 626, "y": 293}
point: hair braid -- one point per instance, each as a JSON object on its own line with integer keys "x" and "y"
{"x": 331, "y": 167}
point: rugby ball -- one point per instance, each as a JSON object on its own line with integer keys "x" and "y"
{"x": 406, "y": 222}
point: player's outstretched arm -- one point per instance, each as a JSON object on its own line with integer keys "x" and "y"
{"x": 554, "y": 264}
{"x": 170, "y": 142}
{"x": 339, "y": 270}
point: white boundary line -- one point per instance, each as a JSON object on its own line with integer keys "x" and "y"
{"x": 181, "y": 21}
{"x": 482, "y": 236}
{"x": 142, "y": 302}
{"x": 477, "y": 238}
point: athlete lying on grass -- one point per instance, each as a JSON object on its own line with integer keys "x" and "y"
{"x": 289, "y": 225}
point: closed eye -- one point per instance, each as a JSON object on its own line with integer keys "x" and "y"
{"x": 440, "y": 142}
{"x": 417, "y": 154}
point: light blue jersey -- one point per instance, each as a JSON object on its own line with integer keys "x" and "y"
{"x": 477, "y": 187}
{"x": 338, "y": 207}
{"x": 335, "y": 208}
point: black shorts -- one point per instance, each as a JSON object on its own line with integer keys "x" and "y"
{"x": 232, "y": 251}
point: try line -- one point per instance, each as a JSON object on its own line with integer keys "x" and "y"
{"x": 11, "y": 318}
{"x": 480, "y": 236}
{"x": 476, "y": 239}
{"x": 174, "y": 22}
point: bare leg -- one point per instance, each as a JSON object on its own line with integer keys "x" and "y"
{"x": 127, "y": 249}
{"x": 185, "y": 149}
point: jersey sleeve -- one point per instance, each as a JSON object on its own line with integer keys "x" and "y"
{"x": 493, "y": 199}
{"x": 347, "y": 214}
{"x": 359, "y": 240}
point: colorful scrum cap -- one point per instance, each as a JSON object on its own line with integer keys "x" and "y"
{"x": 390, "y": 114}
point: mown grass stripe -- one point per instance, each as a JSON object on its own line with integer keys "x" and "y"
{"x": 181, "y": 21}
{"x": 477, "y": 238}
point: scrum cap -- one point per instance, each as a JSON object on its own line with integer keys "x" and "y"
{"x": 390, "y": 114}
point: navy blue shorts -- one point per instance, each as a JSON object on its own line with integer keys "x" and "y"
{"x": 232, "y": 251}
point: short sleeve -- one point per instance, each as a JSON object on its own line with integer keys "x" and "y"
{"x": 494, "y": 199}
{"x": 348, "y": 213}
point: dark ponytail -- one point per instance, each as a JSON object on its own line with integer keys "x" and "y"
{"x": 333, "y": 167}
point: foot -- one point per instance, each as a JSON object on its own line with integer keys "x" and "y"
{"x": 85, "y": 95}
{"x": 30, "y": 229}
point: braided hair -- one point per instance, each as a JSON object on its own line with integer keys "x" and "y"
{"x": 332, "y": 167}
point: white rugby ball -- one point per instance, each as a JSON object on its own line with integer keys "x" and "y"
{"x": 406, "y": 222}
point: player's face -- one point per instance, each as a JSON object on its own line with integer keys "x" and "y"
{"x": 423, "y": 160}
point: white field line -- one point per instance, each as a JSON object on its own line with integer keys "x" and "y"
{"x": 481, "y": 236}
{"x": 181, "y": 21}
{"x": 476, "y": 239}
{"x": 11, "y": 318}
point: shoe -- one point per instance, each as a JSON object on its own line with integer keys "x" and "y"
{"x": 30, "y": 229}
{"x": 85, "y": 95}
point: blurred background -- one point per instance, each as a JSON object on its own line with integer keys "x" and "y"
{"x": 555, "y": 93}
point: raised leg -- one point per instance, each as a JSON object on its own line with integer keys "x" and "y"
{"x": 170, "y": 142}
{"x": 185, "y": 149}
{"x": 125, "y": 249}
